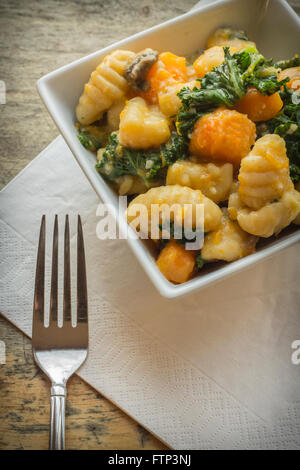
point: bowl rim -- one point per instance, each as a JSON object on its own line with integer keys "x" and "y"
{"x": 165, "y": 287}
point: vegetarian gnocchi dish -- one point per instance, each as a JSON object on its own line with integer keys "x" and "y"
{"x": 221, "y": 129}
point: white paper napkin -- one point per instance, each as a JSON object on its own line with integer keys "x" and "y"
{"x": 210, "y": 371}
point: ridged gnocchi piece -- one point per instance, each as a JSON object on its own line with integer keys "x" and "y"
{"x": 228, "y": 37}
{"x": 264, "y": 173}
{"x": 142, "y": 126}
{"x": 166, "y": 196}
{"x": 105, "y": 86}
{"x": 234, "y": 203}
{"x": 214, "y": 180}
{"x": 268, "y": 220}
{"x": 169, "y": 102}
{"x": 113, "y": 114}
{"x": 210, "y": 59}
{"x": 229, "y": 242}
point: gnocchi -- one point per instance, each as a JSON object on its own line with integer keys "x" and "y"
{"x": 141, "y": 126}
{"x": 128, "y": 184}
{"x": 229, "y": 37}
{"x": 105, "y": 86}
{"x": 113, "y": 114}
{"x": 294, "y": 75}
{"x": 214, "y": 180}
{"x": 269, "y": 219}
{"x": 166, "y": 196}
{"x": 264, "y": 173}
{"x": 169, "y": 102}
{"x": 229, "y": 242}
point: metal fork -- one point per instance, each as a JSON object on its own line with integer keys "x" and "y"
{"x": 59, "y": 351}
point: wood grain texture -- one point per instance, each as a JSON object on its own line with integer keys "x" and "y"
{"x": 35, "y": 38}
{"x": 92, "y": 422}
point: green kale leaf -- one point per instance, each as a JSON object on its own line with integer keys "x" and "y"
{"x": 199, "y": 261}
{"x": 89, "y": 141}
{"x": 149, "y": 165}
{"x": 225, "y": 85}
{"x": 182, "y": 235}
{"x": 287, "y": 64}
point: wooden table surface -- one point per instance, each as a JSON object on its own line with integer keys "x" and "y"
{"x": 37, "y": 37}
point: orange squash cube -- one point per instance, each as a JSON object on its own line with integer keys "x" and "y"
{"x": 176, "y": 263}
{"x": 259, "y": 107}
{"x": 210, "y": 59}
{"x": 223, "y": 135}
{"x": 169, "y": 70}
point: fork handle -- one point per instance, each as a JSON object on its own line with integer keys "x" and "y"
{"x": 57, "y": 417}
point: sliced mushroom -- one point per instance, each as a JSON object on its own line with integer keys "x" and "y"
{"x": 138, "y": 68}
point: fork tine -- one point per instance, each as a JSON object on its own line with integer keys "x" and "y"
{"x": 82, "y": 303}
{"x": 54, "y": 274}
{"x": 38, "y": 302}
{"x": 67, "y": 275}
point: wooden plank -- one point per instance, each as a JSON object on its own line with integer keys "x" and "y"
{"x": 92, "y": 422}
{"x": 35, "y": 38}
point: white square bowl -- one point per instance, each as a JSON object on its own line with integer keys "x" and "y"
{"x": 275, "y": 28}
